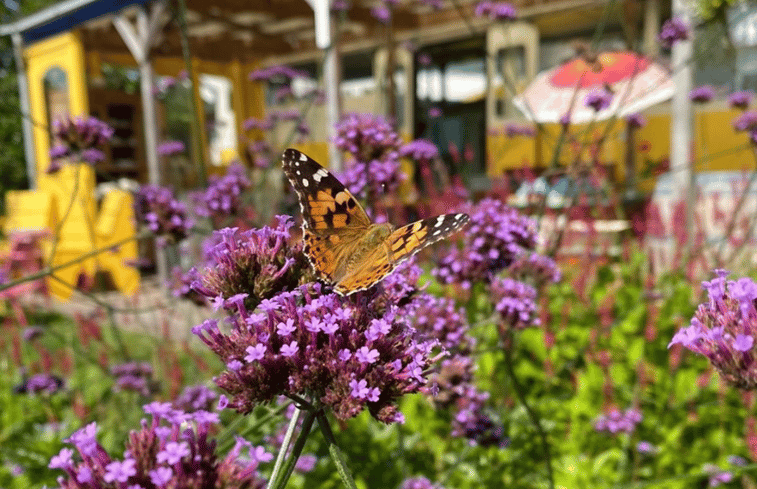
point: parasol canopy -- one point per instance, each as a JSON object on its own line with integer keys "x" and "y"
{"x": 636, "y": 82}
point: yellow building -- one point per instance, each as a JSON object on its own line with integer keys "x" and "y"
{"x": 447, "y": 83}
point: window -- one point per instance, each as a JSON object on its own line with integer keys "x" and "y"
{"x": 510, "y": 77}
{"x": 55, "y": 84}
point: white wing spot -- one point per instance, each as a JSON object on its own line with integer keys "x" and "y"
{"x": 298, "y": 172}
{"x": 437, "y": 232}
{"x": 317, "y": 176}
{"x": 303, "y": 157}
{"x": 305, "y": 182}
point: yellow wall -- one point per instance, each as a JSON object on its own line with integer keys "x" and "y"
{"x": 65, "y": 52}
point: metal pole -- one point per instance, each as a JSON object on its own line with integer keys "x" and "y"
{"x": 682, "y": 120}
{"x": 26, "y": 114}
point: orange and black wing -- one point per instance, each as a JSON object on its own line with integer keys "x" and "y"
{"x": 333, "y": 219}
{"x": 399, "y": 246}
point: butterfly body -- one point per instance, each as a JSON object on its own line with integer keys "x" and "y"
{"x": 344, "y": 247}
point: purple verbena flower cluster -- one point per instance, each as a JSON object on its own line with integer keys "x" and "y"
{"x": 673, "y": 31}
{"x": 515, "y": 130}
{"x": 496, "y": 236}
{"x": 536, "y": 269}
{"x": 374, "y": 169}
{"x": 173, "y": 450}
{"x": 420, "y": 150}
{"x": 249, "y": 266}
{"x": 157, "y": 208}
{"x": 275, "y": 73}
{"x": 265, "y": 124}
{"x": 222, "y": 198}
{"x": 259, "y": 154}
{"x": 718, "y": 476}
{"x": 515, "y": 302}
{"x": 702, "y": 94}
{"x": 438, "y": 318}
{"x": 747, "y": 122}
{"x": 616, "y": 421}
{"x": 381, "y": 13}
{"x": 181, "y": 282}
{"x": 40, "y": 384}
{"x": 724, "y": 329}
{"x": 740, "y": 100}
{"x": 196, "y": 398}
{"x": 636, "y": 120}
{"x": 133, "y": 376}
{"x": 170, "y": 148}
{"x": 31, "y": 333}
{"x": 80, "y": 139}
{"x": 599, "y": 99}
{"x": 346, "y": 353}
{"x": 473, "y": 422}
{"x": 496, "y": 10}
{"x": 419, "y": 483}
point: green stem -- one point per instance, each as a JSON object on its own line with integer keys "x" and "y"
{"x": 284, "y": 448}
{"x": 283, "y": 477}
{"x": 225, "y": 439}
{"x": 335, "y": 452}
{"x": 519, "y": 392}
{"x": 48, "y": 270}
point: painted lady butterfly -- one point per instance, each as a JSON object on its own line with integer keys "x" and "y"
{"x": 344, "y": 247}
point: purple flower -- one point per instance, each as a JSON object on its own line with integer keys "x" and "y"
{"x": 565, "y": 119}
{"x": 740, "y": 100}
{"x": 702, "y": 94}
{"x": 495, "y": 237}
{"x": 311, "y": 361}
{"x": 646, "y": 448}
{"x": 195, "y": 398}
{"x": 223, "y": 196}
{"x": 673, "y": 31}
{"x": 434, "y": 112}
{"x": 161, "y": 476}
{"x": 276, "y": 73}
{"x": 171, "y": 148}
{"x": 514, "y": 130}
{"x": 536, "y": 269}
{"x": 306, "y": 463}
{"x": 39, "y": 384}
{"x": 173, "y": 452}
{"x": 381, "y": 13}
{"x": 157, "y": 208}
{"x": 63, "y": 460}
{"x": 120, "y": 471}
{"x": 290, "y": 350}
{"x": 616, "y": 421}
{"x": 419, "y": 483}
{"x": 80, "y": 140}
{"x": 366, "y": 355}
{"x": 515, "y": 302}
{"x": 599, "y": 99}
{"x": 424, "y": 59}
{"x": 439, "y": 319}
{"x": 172, "y": 438}
{"x": 255, "y": 353}
{"x": 374, "y": 169}
{"x": 258, "y": 262}
{"x": 636, "y": 120}
{"x": 259, "y": 124}
{"x": 717, "y": 476}
{"x": 420, "y": 150}
{"x": 340, "y": 5}
{"x": 746, "y": 122}
{"x": 722, "y": 329}
{"x": 495, "y": 10}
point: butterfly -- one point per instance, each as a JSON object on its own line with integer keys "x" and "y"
{"x": 344, "y": 247}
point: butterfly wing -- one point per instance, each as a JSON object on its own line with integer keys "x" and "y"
{"x": 333, "y": 219}
{"x": 399, "y": 246}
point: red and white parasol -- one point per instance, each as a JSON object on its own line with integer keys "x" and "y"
{"x": 636, "y": 81}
